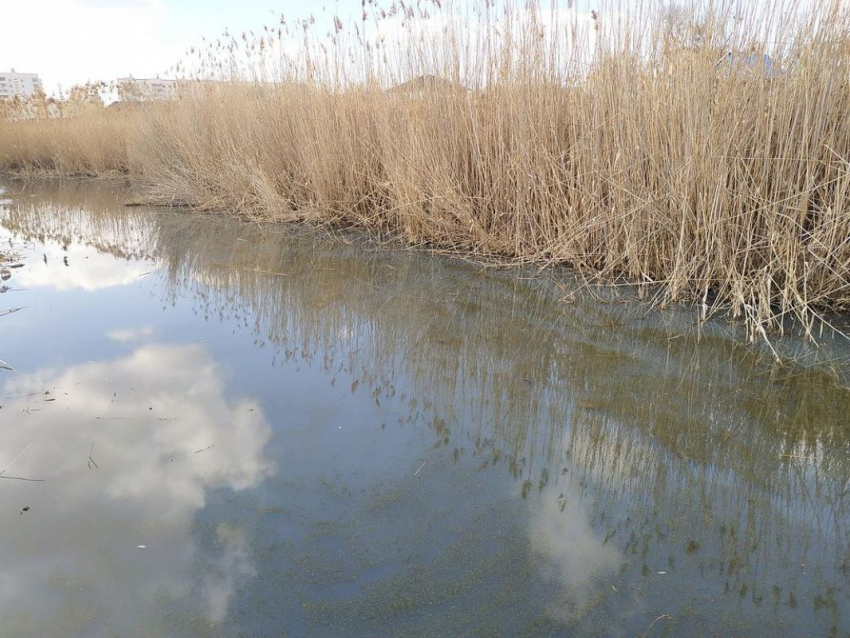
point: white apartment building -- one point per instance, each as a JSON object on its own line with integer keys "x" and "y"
{"x": 22, "y": 85}
{"x": 145, "y": 90}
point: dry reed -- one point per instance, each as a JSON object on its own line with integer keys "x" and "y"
{"x": 676, "y": 159}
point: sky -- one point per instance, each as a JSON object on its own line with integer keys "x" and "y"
{"x": 70, "y": 42}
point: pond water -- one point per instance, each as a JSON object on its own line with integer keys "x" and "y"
{"x": 239, "y": 430}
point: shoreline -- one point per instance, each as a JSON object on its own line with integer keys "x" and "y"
{"x": 611, "y": 290}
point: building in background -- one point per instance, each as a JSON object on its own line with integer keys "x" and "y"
{"x": 20, "y": 85}
{"x": 146, "y": 90}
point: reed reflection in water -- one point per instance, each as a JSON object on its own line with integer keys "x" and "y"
{"x": 652, "y": 467}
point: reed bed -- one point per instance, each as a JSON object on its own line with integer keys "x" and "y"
{"x": 656, "y": 147}
{"x": 91, "y": 145}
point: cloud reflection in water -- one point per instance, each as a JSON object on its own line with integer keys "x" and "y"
{"x": 574, "y": 556}
{"x": 165, "y": 433}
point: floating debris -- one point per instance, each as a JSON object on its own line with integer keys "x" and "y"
{"x": 19, "y": 478}
{"x": 17, "y": 458}
{"x": 133, "y": 418}
{"x": 91, "y": 460}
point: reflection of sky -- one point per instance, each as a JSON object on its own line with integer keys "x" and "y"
{"x": 575, "y": 557}
{"x": 87, "y": 268}
{"x": 164, "y": 435}
{"x": 366, "y": 508}
{"x": 129, "y": 335}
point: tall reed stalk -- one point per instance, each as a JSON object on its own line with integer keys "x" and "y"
{"x": 657, "y": 146}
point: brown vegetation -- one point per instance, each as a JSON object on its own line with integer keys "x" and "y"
{"x": 90, "y": 145}
{"x": 663, "y": 162}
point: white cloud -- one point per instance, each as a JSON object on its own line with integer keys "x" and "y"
{"x": 73, "y": 41}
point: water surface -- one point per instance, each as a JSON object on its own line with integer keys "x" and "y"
{"x": 241, "y": 430}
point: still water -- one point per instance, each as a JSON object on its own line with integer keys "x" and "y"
{"x": 242, "y": 430}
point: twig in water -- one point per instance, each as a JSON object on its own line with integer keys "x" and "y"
{"x": 91, "y": 460}
{"x": 133, "y": 418}
{"x": 205, "y": 449}
{"x": 20, "y": 478}
{"x": 17, "y": 458}
{"x": 268, "y": 272}
{"x": 420, "y": 467}
{"x": 663, "y": 616}
{"x": 350, "y": 354}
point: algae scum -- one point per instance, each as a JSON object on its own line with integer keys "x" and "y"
{"x": 235, "y": 430}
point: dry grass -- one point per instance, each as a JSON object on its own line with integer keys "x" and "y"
{"x": 92, "y": 145}
{"x": 658, "y": 164}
